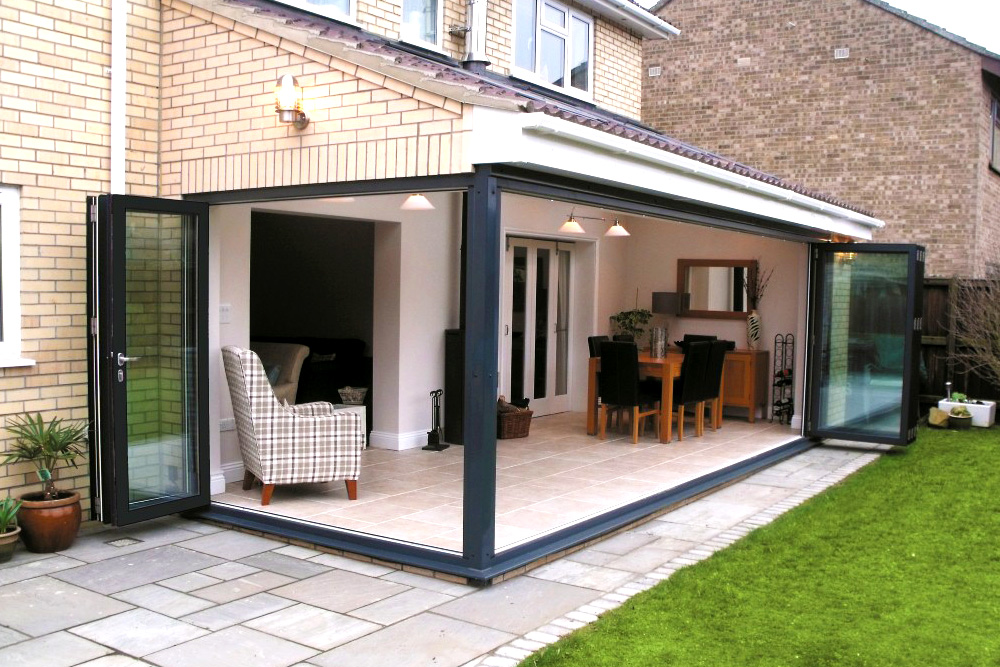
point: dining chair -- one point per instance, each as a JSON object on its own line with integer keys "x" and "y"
{"x": 594, "y": 343}
{"x": 713, "y": 380}
{"x": 623, "y": 338}
{"x": 689, "y": 388}
{"x": 619, "y": 387}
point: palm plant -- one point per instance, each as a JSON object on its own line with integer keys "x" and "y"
{"x": 8, "y": 514}
{"x": 46, "y": 444}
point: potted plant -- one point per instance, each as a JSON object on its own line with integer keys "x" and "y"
{"x": 755, "y": 284}
{"x": 9, "y": 530}
{"x": 631, "y": 322}
{"x": 960, "y": 418}
{"x": 983, "y": 412}
{"x": 49, "y": 519}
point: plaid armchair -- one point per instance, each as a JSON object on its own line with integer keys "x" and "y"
{"x": 289, "y": 444}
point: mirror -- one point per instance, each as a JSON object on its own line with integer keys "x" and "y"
{"x": 713, "y": 288}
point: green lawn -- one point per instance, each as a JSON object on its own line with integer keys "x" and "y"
{"x": 898, "y": 565}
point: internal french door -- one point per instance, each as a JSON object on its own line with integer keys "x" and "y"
{"x": 535, "y": 324}
{"x": 147, "y": 303}
{"x": 865, "y": 325}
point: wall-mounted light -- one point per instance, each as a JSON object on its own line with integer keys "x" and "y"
{"x": 617, "y": 229}
{"x": 417, "y": 202}
{"x": 571, "y": 226}
{"x": 288, "y": 102}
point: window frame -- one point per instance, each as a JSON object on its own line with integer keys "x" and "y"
{"x": 350, "y": 17}
{"x": 566, "y": 34}
{"x": 409, "y": 39}
{"x": 994, "y": 160}
{"x": 10, "y": 278}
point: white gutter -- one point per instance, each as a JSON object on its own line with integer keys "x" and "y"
{"x": 119, "y": 35}
{"x": 547, "y": 125}
{"x": 632, "y": 16}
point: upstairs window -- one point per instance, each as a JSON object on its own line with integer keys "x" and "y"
{"x": 421, "y": 22}
{"x": 341, "y": 10}
{"x": 554, "y": 45}
{"x": 995, "y": 152}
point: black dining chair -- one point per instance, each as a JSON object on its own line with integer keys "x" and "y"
{"x": 689, "y": 388}
{"x": 713, "y": 379}
{"x": 619, "y": 387}
{"x": 623, "y": 338}
{"x": 594, "y": 343}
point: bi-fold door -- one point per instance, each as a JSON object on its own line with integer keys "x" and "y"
{"x": 864, "y": 352}
{"x": 147, "y": 304}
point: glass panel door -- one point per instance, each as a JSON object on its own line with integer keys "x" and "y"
{"x": 151, "y": 333}
{"x": 865, "y": 328}
{"x": 535, "y": 325}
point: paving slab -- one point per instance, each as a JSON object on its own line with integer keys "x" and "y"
{"x": 339, "y": 591}
{"x": 517, "y": 605}
{"x": 116, "y": 660}
{"x": 163, "y": 600}
{"x": 402, "y": 605}
{"x": 42, "y": 605}
{"x": 227, "y": 591}
{"x": 235, "y": 647}
{"x": 10, "y": 636}
{"x": 147, "y": 535}
{"x": 238, "y": 611}
{"x": 289, "y": 566}
{"x": 430, "y": 583}
{"x": 60, "y": 649}
{"x": 352, "y": 565}
{"x": 139, "y": 632}
{"x": 227, "y": 571}
{"x": 186, "y": 583}
{"x": 596, "y": 577}
{"x": 36, "y": 568}
{"x": 314, "y": 627}
{"x": 230, "y": 545}
{"x": 429, "y": 639}
{"x": 132, "y": 570}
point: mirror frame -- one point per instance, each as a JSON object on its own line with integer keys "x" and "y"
{"x": 682, "y": 287}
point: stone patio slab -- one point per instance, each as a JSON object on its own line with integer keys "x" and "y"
{"x": 243, "y": 587}
{"x": 139, "y": 632}
{"x": 42, "y": 605}
{"x": 517, "y": 605}
{"x": 116, "y": 660}
{"x": 133, "y": 570}
{"x": 226, "y": 615}
{"x": 314, "y": 627}
{"x": 163, "y": 600}
{"x": 339, "y": 590}
{"x": 60, "y": 649}
{"x": 437, "y": 640}
{"x": 36, "y": 568}
{"x": 234, "y": 647}
{"x": 231, "y": 545}
{"x": 289, "y": 566}
{"x": 596, "y": 577}
{"x": 402, "y": 605}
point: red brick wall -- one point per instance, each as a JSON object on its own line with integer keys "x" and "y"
{"x": 895, "y": 127}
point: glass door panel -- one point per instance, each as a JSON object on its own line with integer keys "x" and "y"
{"x": 149, "y": 294}
{"x": 865, "y": 327}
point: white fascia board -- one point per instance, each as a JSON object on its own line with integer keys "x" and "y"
{"x": 632, "y": 16}
{"x": 551, "y": 144}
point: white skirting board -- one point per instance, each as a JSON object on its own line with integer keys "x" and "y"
{"x": 397, "y": 441}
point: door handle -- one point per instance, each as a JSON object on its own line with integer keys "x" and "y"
{"x": 122, "y": 359}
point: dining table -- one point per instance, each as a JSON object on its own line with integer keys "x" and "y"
{"x": 666, "y": 368}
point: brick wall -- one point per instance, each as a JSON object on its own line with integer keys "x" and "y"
{"x": 220, "y": 132}
{"x": 54, "y": 129}
{"x": 895, "y": 127}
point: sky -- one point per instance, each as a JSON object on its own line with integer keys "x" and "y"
{"x": 976, "y": 20}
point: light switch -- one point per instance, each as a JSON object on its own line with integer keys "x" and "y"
{"x": 225, "y": 313}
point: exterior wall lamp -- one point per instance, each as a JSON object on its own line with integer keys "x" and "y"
{"x": 288, "y": 102}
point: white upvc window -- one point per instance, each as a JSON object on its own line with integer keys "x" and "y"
{"x": 10, "y": 278}
{"x": 421, "y": 23}
{"x": 341, "y": 10}
{"x": 554, "y": 45}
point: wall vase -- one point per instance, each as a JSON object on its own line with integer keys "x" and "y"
{"x": 753, "y": 329}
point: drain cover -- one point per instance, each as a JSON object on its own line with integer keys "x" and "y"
{"x": 123, "y": 542}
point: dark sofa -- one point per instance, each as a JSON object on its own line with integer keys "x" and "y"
{"x": 332, "y": 363}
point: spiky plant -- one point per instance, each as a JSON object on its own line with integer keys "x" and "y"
{"x": 46, "y": 444}
{"x": 8, "y": 514}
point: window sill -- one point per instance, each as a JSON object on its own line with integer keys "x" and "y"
{"x": 535, "y": 80}
{"x": 425, "y": 46}
{"x": 16, "y": 362}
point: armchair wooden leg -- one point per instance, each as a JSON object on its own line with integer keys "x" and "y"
{"x": 352, "y": 488}
{"x": 248, "y": 479}
{"x": 265, "y": 497}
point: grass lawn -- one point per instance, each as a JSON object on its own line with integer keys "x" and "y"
{"x": 898, "y": 565}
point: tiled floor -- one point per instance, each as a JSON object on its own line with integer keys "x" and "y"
{"x": 179, "y": 593}
{"x": 556, "y": 476}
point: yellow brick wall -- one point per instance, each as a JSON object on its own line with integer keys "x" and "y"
{"x": 54, "y": 137}
{"x": 143, "y": 98}
{"x": 220, "y": 131}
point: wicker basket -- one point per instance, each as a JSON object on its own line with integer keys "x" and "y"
{"x": 512, "y": 421}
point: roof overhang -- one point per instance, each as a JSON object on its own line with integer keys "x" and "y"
{"x": 546, "y": 143}
{"x": 632, "y": 17}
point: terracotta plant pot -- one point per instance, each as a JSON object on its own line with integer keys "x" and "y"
{"x": 49, "y": 525}
{"x": 8, "y": 542}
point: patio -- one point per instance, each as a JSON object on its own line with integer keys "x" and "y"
{"x": 555, "y": 477}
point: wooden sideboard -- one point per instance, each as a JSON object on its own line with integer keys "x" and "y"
{"x": 746, "y": 379}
